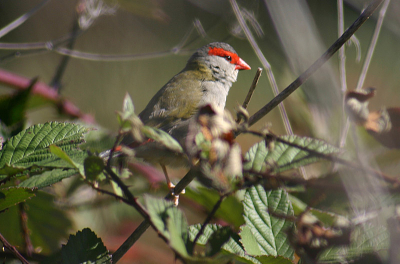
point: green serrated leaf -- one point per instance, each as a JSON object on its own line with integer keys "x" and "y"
{"x": 218, "y": 239}
{"x": 233, "y": 247}
{"x": 269, "y": 231}
{"x": 85, "y": 247}
{"x": 231, "y": 209}
{"x": 12, "y": 196}
{"x": 47, "y": 178}
{"x": 93, "y": 167}
{"x": 169, "y": 221}
{"x": 249, "y": 241}
{"x": 31, "y": 146}
{"x": 163, "y": 137}
{"x": 62, "y": 155}
{"x": 283, "y": 157}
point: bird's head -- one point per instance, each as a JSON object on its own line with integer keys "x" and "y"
{"x": 220, "y": 60}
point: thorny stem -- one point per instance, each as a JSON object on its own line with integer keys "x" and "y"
{"x": 317, "y": 64}
{"x": 10, "y": 247}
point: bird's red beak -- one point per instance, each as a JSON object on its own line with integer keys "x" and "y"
{"x": 242, "y": 65}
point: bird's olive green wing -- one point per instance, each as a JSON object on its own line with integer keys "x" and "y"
{"x": 178, "y": 100}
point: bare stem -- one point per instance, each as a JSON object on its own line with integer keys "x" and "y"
{"x": 138, "y": 232}
{"x": 13, "y": 250}
{"x": 208, "y": 219}
{"x": 19, "y": 21}
{"x": 251, "y": 91}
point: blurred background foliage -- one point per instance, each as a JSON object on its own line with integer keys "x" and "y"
{"x": 291, "y": 36}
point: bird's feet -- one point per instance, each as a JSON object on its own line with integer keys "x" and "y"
{"x": 171, "y": 187}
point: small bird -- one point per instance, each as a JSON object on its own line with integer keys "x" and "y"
{"x": 206, "y": 79}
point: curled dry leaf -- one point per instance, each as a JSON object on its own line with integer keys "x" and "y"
{"x": 211, "y": 142}
{"x": 383, "y": 125}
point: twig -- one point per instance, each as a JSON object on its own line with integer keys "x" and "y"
{"x": 367, "y": 62}
{"x": 113, "y": 57}
{"x": 42, "y": 89}
{"x": 25, "y": 230}
{"x": 19, "y": 21}
{"x": 138, "y": 232}
{"x": 128, "y": 243}
{"x": 264, "y": 62}
{"x": 56, "y": 81}
{"x": 251, "y": 91}
{"x": 208, "y": 219}
{"x": 13, "y": 250}
{"x": 317, "y": 64}
{"x": 122, "y": 199}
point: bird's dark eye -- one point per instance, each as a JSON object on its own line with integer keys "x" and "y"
{"x": 228, "y": 58}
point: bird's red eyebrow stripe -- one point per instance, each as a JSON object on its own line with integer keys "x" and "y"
{"x": 223, "y": 53}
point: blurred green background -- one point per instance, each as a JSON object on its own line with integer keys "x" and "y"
{"x": 291, "y": 35}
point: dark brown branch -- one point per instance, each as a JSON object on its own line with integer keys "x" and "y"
{"x": 317, "y": 64}
{"x": 251, "y": 91}
{"x": 131, "y": 240}
{"x": 13, "y": 250}
{"x": 208, "y": 219}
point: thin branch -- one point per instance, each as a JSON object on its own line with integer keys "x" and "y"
{"x": 367, "y": 62}
{"x": 128, "y": 243}
{"x": 114, "y": 57}
{"x": 208, "y": 219}
{"x": 139, "y": 231}
{"x": 55, "y": 46}
{"x": 251, "y": 91}
{"x": 264, "y": 62}
{"x": 19, "y": 21}
{"x": 122, "y": 199}
{"x": 62, "y": 66}
{"x": 42, "y": 89}
{"x": 317, "y": 64}
{"x": 13, "y": 250}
